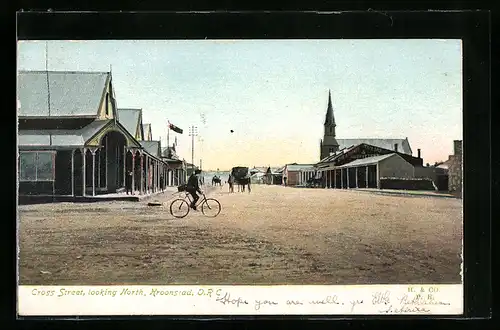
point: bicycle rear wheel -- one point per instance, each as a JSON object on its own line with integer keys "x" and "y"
{"x": 179, "y": 208}
{"x": 210, "y": 207}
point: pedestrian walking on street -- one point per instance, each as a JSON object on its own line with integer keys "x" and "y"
{"x": 230, "y": 182}
{"x": 128, "y": 182}
{"x": 162, "y": 183}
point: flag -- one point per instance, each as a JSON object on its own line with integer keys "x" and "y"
{"x": 175, "y": 128}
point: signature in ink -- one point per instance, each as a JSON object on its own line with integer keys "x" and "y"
{"x": 404, "y": 309}
{"x": 381, "y": 298}
{"x": 420, "y": 300}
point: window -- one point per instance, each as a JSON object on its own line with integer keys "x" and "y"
{"x": 36, "y": 166}
{"x": 27, "y": 166}
{"x": 107, "y": 104}
{"x": 44, "y": 167}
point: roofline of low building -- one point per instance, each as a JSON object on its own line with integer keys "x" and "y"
{"x": 58, "y": 117}
{"x": 63, "y": 71}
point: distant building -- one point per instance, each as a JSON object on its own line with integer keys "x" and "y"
{"x": 366, "y": 162}
{"x": 292, "y": 173}
{"x": 455, "y": 170}
{"x": 274, "y": 176}
{"x": 330, "y": 144}
{"x": 256, "y": 170}
{"x": 366, "y": 166}
{"x": 178, "y": 169}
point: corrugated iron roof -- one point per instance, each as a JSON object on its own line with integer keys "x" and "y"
{"x": 152, "y": 147}
{"x": 335, "y": 155}
{"x": 403, "y": 145}
{"x": 258, "y": 169}
{"x": 52, "y": 138}
{"x": 91, "y": 129}
{"x": 129, "y": 118}
{"x": 169, "y": 152}
{"x": 60, "y": 138}
{"x": 368, "y": 160}
{"x": 71, "y": 94}
{"x": 299, "y": 167}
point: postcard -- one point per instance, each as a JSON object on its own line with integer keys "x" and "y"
{"x": 240, "y": 177}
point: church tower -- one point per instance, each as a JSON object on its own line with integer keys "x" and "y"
{"x": 329, "y": 144}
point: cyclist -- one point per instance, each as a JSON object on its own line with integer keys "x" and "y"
{"x": 193, "y": 187}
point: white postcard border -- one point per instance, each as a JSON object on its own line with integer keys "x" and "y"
{"x": 134, "y": 300}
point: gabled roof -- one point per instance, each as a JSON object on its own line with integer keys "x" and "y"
{"x": 169, "y": 152}
{"x": 152, "y": 147}
{"x": 369, "y": 160}
{"x": 130, "y": 119}
{"x": 258, "y": 169}
{"x": 335, "y": 155}
{"x": 403, "y": 144}
{"x": 71, "y": 94}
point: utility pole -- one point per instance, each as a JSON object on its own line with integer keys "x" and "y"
{"x": 193, "y": 131}
{"x": 204, "y": 122}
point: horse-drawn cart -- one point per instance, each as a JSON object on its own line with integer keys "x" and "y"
{"x": 314, "y": 182}
{"x": 241, "y": 177}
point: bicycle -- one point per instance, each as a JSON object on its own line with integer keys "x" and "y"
{"x": 180, "y": 207}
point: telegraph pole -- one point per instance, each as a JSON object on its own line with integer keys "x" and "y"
{"x": 204, "y": 122}
{"x": 193, "y": 131}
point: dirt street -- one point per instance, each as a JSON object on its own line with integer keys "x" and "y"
{"x": 274, "y": 235}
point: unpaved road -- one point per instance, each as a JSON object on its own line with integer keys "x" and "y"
{"x": 274, "y": 235}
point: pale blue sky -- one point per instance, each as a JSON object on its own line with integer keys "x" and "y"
{"x": 273, "y": 93}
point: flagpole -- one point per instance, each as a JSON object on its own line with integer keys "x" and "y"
{"x": 168, "y": 135}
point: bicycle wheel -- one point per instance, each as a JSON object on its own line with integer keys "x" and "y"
{"x": 210, "y": 207}
{"x": 179, "y": 208}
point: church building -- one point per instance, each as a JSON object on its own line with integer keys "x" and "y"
{"x": 328, "y": 144}
{"x": 366, "y": 162}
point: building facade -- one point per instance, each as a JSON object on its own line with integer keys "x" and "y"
{"x": 330, "y": 145}
{"x": 366, "y": 162}
{"x": 365, "y": 166}
{"x": 177, "y": 168}
{"x": 292, "y": 173}
{"x": 455, "y": 170}
{"x": 73, "y": 141}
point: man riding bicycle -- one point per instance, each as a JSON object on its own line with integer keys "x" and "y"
{"x": 193, "y": 187}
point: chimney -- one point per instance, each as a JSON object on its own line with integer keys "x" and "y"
{"x": 395, "y": 147}
{"x": 457, "y": 147}
{"x": 418, "y": 153}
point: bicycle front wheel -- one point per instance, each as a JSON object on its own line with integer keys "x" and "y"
{"x": 179, "y": 208}
{"x": 210, "y": 207}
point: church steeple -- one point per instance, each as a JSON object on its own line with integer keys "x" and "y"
{"x": 329, "y": 119}
{"x": 329, "y": 144}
